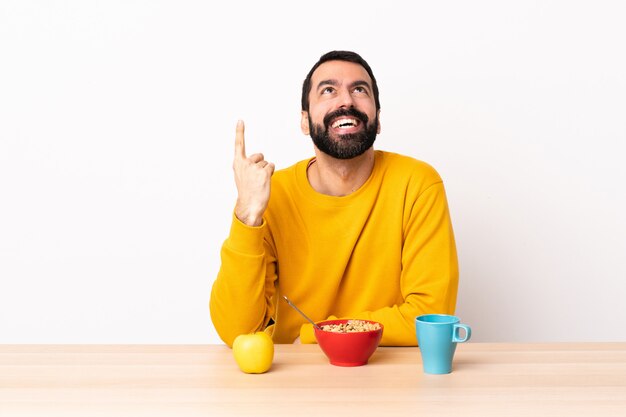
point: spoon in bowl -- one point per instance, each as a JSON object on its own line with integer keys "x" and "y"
{"x": 301, "y": 313}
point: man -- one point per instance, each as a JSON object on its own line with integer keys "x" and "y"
{"x": 350, "y": 233}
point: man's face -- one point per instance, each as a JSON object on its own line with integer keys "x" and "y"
{"x": 342, "y": 118}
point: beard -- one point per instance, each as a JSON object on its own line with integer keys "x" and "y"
{"x": 346, "y": 146}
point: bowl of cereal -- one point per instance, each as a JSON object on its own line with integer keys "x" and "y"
{"x": 348, "y": 342}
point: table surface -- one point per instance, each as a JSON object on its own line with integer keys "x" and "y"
{"x": 568, "y": 379}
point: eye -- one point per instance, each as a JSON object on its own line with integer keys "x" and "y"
{"x": 360, "y": 90}
{"x": 327, "y": 90}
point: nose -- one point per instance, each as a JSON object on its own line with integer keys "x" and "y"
{"x": 345, "y": 99}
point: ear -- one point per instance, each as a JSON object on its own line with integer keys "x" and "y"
{"x": 304, "y": 123}
{"x": 378, "y": 128}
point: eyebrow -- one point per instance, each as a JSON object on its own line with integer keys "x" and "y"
{"x": 357, "y": 83}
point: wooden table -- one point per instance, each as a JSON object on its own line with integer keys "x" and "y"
{"x": 581, "y": 379}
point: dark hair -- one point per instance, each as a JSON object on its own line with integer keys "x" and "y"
{"x": 338, "y": 56}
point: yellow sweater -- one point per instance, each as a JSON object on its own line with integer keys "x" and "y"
{"x": 385, "y": 252}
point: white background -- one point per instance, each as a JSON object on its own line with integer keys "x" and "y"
{"x": 116, "y": 139}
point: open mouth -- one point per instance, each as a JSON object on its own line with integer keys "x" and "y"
{"x": 345, "y": 123}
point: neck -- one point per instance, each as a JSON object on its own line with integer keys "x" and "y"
{"x": 340, "y": 177}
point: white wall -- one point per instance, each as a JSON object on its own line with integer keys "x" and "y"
{"x": 116, "y": 136}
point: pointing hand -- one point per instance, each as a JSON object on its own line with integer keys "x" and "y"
{"x": 252, "y": 177}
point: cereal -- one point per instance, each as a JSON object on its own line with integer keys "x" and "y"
{"x": 351, "y": 326}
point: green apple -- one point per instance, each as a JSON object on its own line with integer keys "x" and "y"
{"x": 254, "y": 352}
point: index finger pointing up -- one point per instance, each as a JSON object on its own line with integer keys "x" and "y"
{"x": 240, "y": 144}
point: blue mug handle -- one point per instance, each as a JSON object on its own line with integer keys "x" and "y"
{"x": 455, "y": 334}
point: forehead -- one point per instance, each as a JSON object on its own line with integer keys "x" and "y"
{"x": 341, "y": 71}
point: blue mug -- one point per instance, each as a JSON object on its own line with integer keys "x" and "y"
{"x": 437, "y": 336}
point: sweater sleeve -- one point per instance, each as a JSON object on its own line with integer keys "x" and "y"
{"x": 429, "y": 275}
{"x": 241, "y": 297}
